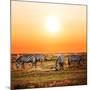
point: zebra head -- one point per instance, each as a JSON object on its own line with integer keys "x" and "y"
{"x": 59, "y": 62}
{"x": 17, "y": 64}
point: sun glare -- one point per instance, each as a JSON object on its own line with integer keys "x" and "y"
{"x": 52, "y": 24}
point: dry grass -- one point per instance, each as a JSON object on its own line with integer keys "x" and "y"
{"x": 46, "y": 76}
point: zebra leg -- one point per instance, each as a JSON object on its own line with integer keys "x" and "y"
{"x": 32, "y": 65}
{"x": 56, "y": 68}
{"x": 61, "y": 66}
{"x": 17, "y": 65}
{"x": 69, "y": 63}
{"x": 80, "y": 62}
{"x": 41, "y": 62}
{"x": 35, "y": 64}
{"x": 23, "y": 65}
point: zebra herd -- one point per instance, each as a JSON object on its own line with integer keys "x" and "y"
{"x": 34, "y": 59}
{"x": 79, "y": 59}
{"x": 59, "y": 62}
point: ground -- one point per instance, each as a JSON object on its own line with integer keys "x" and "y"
{"x": 46, "y": 76}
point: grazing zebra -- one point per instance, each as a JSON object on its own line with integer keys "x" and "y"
{"x": 59, "y": 62}
{"x": 40, "y": 58}
{"x": 75, "y": 58}
{"x": 21, "y": 60}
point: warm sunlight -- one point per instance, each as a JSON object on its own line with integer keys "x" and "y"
{"x": 48, "y": 28}
{"x": 52, "y": 24}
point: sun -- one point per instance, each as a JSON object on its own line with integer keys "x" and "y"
{"x": 52, "y": 24}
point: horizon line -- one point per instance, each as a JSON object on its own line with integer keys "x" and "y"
{"x": 50, "y": 53}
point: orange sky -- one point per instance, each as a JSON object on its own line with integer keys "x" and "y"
{"x": 30, "y": 35}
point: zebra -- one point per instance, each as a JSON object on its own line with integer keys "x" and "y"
{"x": 75, "y": 58}
{"x": 40, "y": 58}
{"x": 59, "y": 63}
{"x": 21, "y": 60}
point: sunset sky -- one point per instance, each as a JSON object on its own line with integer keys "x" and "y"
{"x": 48, "y": 28}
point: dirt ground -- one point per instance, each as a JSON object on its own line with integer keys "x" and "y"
{"x": 45, "y": 75}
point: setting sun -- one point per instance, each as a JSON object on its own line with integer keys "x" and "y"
{"x": 48, "y": 28}
{"x": 52, "y": 24}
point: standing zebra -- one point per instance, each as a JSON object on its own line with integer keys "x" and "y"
{"x": 21, "y": 60}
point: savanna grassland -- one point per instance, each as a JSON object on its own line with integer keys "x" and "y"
{"x": 45, "y": 75}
